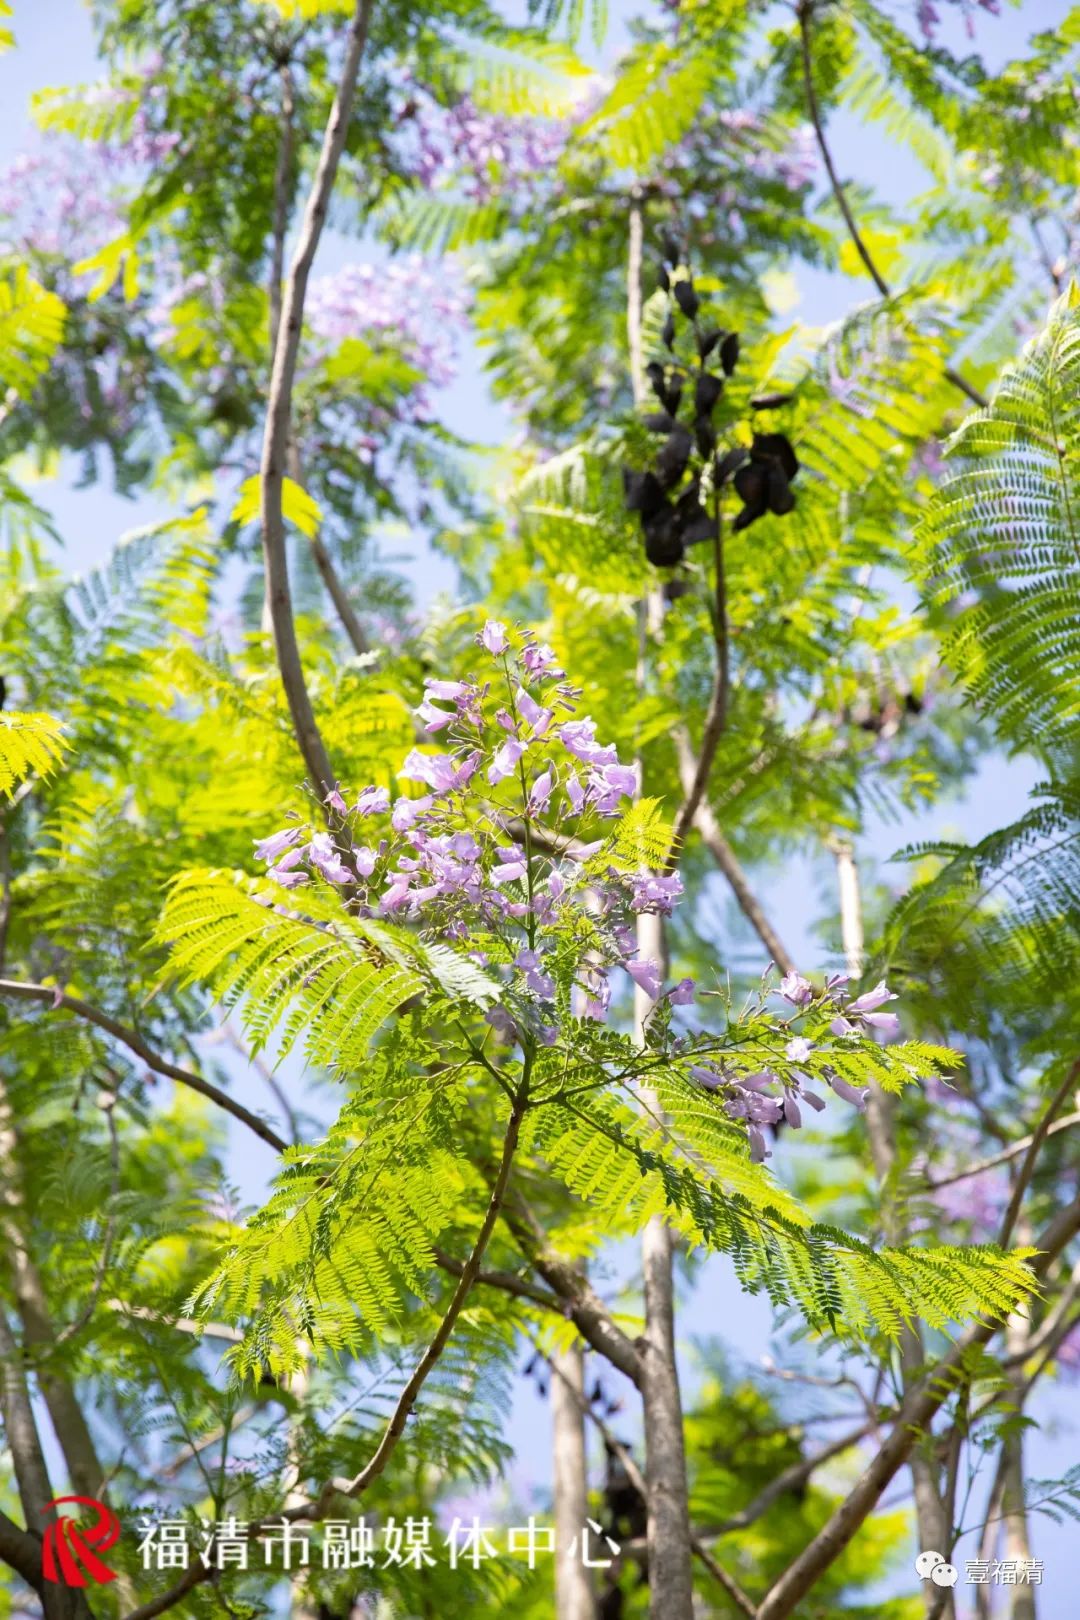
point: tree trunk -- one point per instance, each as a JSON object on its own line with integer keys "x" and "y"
{"x": 934, "y": 1534}
{"x": 1017, "y": 1530}
{"x": 671, "y": 1585}
{"x": 574, "y": 1599}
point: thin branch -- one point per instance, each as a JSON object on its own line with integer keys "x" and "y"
{"x": 407, "y": 1399}
{"x": 804, "y": 12}
{"x": 1012, "y": 1152}
{"x": 722, "y": 853}
{"x": 507, "y": 1281}
{"x": 228, "y": 1033}
{"x": 196, "y": 1448}
{"x": 1027, "y": 1168}
{"x": 182, "y": 1324}
{"x": 792, "y": 1478}
{"x": 127, "y": 1037}
{"x": 1058, "y": 1322}
{"x": 331, "y": 579}
{"x": 282, "y": 176}
{"x": 695, "y": 779}
{"x": 279, "y": 414}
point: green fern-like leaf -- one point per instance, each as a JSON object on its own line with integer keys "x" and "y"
{"x": 31, "y": 329}
{"x": 28, "y": 743}
{"x": 1003, "y": 541}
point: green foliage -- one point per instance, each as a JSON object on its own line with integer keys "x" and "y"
{"x": 28, "y": 743}
{"x": 1004, "y": 529}
{"x": 31, "y": 327}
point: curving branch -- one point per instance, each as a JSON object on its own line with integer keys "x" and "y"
{"x": 57, "y": 999}
{"x": 395, "y": 1428}
{"x": 805, "y": 12}
{"x": 581, "y": 1303}
{"x": 279, "y": 414}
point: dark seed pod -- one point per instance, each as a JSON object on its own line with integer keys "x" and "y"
{"x": 729, "y": 353}
{"x": 781, "y": 500}
{"x": 643, "y": 492}
{"x": 752, "y": 484}
{"x": 667, "y": 331}
{"x": 663, "y": 279}
{"x": 775, "y": 447}
{"x": 695, "y": 523}
{"x": 669, "y": 394}
{"x": 770, "y": 402}
{"x": 672, "y": 248}
{"x": 707, "y": 391}
{"x": 707, "y": 342}
{"x": 686, "y": 298}
{"x": 705, "y": 434}
{"x": 672, "y": 460}
{"x": 729, "y": 461}
{"x": 659, "y": 422}
{"x": 663, "y": 542}
{"x": 674, "y": 588}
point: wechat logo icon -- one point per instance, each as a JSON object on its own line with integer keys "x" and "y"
{"x": 931, "y": 1566}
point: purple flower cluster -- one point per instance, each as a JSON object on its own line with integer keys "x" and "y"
{"x": 485, "y": 845}
{"x": 777, "y": 1093}
{"x": 421, "y": 310}
{"x": 499, "y": 843}
{"x": 477, "y": 152}
{"x": 730, "y": 145}
{"x": 61, "y": 200}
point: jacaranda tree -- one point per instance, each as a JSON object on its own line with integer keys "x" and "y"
{"x": 392, "y": 1010}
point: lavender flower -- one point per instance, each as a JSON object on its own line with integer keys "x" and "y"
{"x": 493, "y": 637}
{"x": 268, "y": 849}
{"x": 794, "y": 988}
{"x": 646, "y": 975}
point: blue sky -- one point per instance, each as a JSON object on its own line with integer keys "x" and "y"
{"x": 55, "y": 45}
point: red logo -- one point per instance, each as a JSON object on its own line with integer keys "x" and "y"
{"x": 68, "y": 1557}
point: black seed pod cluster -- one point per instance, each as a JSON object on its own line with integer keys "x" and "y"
{"x": 673, "y": 517}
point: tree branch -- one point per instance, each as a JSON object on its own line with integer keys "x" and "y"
{"x": 722, "y": 853}
{"x": 584, "y": 1306}
{"x": 407, "y": 1399}
{"x": 135, "y": 1043}
{"x": 916, "y": 1412}
{"x": 1012, "y": 1152}
{"x": 792, "y": 1478}
{"x": 1027, "y": 1168}
{"x": 508, "y": 1281}
{"x": 279, "y": 414}
{"x": 804, "y": 12}
{"x": 637, "y": 1481}
{"x": 695, "y": 774}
